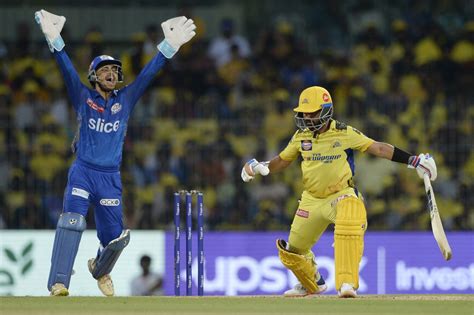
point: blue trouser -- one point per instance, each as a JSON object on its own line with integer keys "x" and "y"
{"x": 87, "y": 186}
{"x": 103, "y": 189}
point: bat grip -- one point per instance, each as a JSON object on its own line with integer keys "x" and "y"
{"x": 427, "y": 181}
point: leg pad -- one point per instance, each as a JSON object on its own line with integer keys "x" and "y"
{"x": 302, "y": 266}
{"x": 66, "y": 243}
{"x": 105, "y": 262}
{"x": 351, "y": 223}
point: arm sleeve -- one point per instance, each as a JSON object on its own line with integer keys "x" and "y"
{"x": 73, "y": 83}
{"x": 357, "y": 140}
{"x": 136, "y": 89}
{"x": 290, "y": 153}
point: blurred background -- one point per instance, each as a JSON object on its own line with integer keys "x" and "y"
{"x": 400, "y": 71}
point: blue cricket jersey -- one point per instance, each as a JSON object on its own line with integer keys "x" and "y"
{"x": 103, "y": 124}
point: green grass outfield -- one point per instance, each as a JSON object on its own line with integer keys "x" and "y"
{"x": 364, "y": 305}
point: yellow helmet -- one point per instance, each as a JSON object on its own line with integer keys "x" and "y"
{"x": 313, "y": 99}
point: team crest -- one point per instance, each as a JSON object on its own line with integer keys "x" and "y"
{"x": 116, "y": 108}
{"x": 306, "y": 145}
{"x": 325, "y": 97}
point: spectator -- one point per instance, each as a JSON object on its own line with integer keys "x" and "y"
{"x": 221, "y": 47}
{"x": 148, "y": 283}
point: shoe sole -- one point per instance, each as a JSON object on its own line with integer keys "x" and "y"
{"x": 347, "y": 295}
{"x": 61, "y": 292}
{"x": 323, "y": 288}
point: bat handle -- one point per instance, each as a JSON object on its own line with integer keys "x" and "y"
{"x": 427, "y": 181}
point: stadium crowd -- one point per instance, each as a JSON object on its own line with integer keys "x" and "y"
{"x": 405, "y": 79}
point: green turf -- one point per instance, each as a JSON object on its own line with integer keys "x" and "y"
{"x": 397, "y": 305}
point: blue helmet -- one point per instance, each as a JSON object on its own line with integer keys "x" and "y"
{"x": 101, "y": 61}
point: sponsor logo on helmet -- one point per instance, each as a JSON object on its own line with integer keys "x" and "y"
{"x": 305, "y": 101}
{"x": 110, "y": 202}
{"x": 100, "y": 125}
{"x": 105, "y": 57}
{"x": 94, "y": 106}
{"x": 325, "y": 97}
{"x": 306, "y": 145}
{"x": 116, "y": 108}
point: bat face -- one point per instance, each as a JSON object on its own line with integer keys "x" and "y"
{"x": 436, "y": 224}
{"x": 432, "y": 207}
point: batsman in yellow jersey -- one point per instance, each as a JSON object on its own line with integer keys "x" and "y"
{"x": 326, "y": 147}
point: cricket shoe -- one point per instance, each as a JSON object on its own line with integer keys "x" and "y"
{"x": 58, "y": 289}
{"x": 347, "y": 291}
{"x": 299, "y": 290}
{"x": 104, "y": 283}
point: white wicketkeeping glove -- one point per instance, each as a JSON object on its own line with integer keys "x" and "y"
{"x": 177, "y": 31}
{"x": 51, "y": 25}
{"x": 253, "y": 167}
{"x": 424, "y": 163}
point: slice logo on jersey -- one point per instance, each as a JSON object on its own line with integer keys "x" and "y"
{"x": 302, "y": 213}
{"x": 94, "y": 106}
{"x": 116, "y": 108}
{"x": 336, "y": 144}
{"x": 110, "y": 202}
{"x": 100, "y": 125}
{"x": 306, "y": 145}
{"x": 325, "y": 97}
{"x": 80, "y": 192}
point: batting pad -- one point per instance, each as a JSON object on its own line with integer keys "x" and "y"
{"x": 66, "y": 243}
{"x": 107, "y": 259}
{"x": 351, "y": 223}
{"x": 302, "y": 266}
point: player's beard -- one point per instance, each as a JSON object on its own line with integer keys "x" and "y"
{"x": 104, "y": 88}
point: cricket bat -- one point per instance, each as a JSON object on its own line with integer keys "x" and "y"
{"x": 436, "y": 224}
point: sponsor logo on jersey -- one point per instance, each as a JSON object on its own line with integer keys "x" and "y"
{"x": 110, "y": 202}
{"x": 325, "y": 158}
{"x": 100, "y": 125}
{"x": 80, "y": 192}
{"x": 94, "y": 106}
{"x": 302, "y": 213}
{"x": 116, "y": 108}
{"x": 306, "y": 145}
{"x": 336, "y": 144}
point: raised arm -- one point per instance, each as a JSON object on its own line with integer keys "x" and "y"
{"x": 177, "y": 31}
{"x": 51, "y": 26}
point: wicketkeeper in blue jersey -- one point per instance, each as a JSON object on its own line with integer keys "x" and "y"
{"x": 94, "y": 176}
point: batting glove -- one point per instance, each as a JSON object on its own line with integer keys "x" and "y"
{"x": 177, "y": 31}
{"x": 253, "y": 167}
{"x": 51, "y": 26}
{"x": 423, "y": 163}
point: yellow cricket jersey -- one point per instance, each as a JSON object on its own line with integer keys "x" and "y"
{"x": 328, "y": 158}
